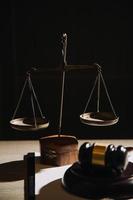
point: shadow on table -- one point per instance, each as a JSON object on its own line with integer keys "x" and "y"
{"x": 55, "y": 190}
{"x": 12, "y": 171}
{"x": 15, "y": 170}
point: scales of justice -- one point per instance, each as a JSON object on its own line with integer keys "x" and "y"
{"x": 61, "y": 149}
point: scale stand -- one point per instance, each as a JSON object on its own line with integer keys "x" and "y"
{"x": 60, "y": 149}
{"x": 34, "y": 123}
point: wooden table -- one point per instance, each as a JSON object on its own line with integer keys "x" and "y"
{"x": 48, "y": 179}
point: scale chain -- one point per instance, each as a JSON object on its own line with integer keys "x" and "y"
{"x": 20, "y": 98}
{"x": 91, "y": 94}
{"x": 28, "y": 79}
{"x": 98, "y": 97}
{"x": 32, "y": 101}
{"x": 39, "y": 107}
{"x": 108, "y": 94}
{"x": 98, "y": 92}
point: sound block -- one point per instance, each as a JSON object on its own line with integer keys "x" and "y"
{"x": 88, "y": 184}
{"x": 59, "y": 150}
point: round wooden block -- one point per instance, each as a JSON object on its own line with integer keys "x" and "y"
{"x": 59, "y": 150}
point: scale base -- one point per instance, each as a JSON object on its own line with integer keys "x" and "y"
{"x": 97, "y": 186}
{"x": 59, "y": 150}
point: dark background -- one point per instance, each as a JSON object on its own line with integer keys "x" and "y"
{"x": 30, "y": 36}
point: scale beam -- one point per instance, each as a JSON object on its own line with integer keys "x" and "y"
{"x": 79, "y": 67}
{"x": 65, "y": 68}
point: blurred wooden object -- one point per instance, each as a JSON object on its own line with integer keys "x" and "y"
{"x": 58, "y": 150}
{"x": 29, "y": 179}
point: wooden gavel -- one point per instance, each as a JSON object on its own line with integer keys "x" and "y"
{"x": 111, "y": 158}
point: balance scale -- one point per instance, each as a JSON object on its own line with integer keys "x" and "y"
{"x": 57, "y": 148}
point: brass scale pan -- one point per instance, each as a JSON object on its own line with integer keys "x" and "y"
{"x": 90, "y": 118}
{"x": 98, "y": 118}
{"x": 27, "y": 124}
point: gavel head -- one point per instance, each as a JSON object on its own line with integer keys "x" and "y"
{"x": 109, "y": 158}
